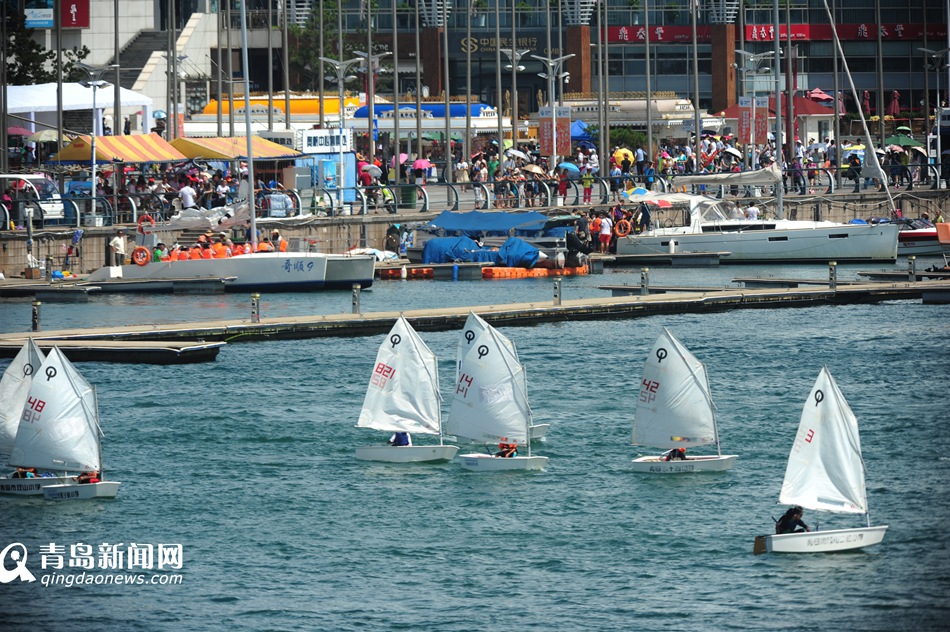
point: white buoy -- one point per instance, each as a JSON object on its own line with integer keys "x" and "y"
{"x": 672, "y": 247}
{"x": 402, "y": 273}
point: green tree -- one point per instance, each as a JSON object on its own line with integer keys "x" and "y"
{"x": 28, "y": 63}
{"x": 306, "y": 51}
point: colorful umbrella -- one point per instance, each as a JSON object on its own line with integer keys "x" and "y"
{"x": 904, "y": 128}
{"x": 372, "y": 170}
{"x": 903, "y": 141}
{"x": 819, "y": 95}
{"x": 46, "y": 136}
{"x": 18, "y": 131}
{"x": 421, "y": 163}
{"x": 402, "y": 159}
{"x": 517, "y": 154}
{"x": 622, "y": 153}
{"x": 866, "y": 103}
{"x": 534, "y": 169}
{"x": 569, "y": 166}
{"x": 658, "y": 202}
{"x": 732, "y": 151}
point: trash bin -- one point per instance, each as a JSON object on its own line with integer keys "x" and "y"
{"x": 407, "y": 197}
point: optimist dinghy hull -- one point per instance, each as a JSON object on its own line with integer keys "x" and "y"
{"x": 29, "y": 486}
{"x": 489, "y": 463}
{"x": 81, "y": 491}
{"x": 406, "y": 454}
{"x": 821, "y": 541}
{"x": 656, "y": 464}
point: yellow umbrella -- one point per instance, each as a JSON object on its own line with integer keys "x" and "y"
{"x": 622, "y": 153}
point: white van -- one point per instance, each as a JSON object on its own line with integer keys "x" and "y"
{"x": 24, "y": 187}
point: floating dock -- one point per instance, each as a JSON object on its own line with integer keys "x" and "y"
{"x": 124, "y": 351}
{"x": 684, "y": 300}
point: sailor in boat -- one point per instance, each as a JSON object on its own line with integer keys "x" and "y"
{"x": 791, "y": 522}
{"x": 87, "y": 477}
{"x": 676, "y": 454}
{"x": 400, "y": 439}
{"x": 507, "y": 450}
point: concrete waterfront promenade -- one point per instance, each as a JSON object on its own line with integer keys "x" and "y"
{"x": 705, "y": 300}
{"x": 334, "y": 232}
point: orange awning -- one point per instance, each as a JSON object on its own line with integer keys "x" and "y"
{"x": 137, "y": 148}
{"x": 224, "y": 148}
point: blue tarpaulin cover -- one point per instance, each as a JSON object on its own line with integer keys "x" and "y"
{"x": 517, "y": 253}
{"x": 453, "y": 249}
{"x": 514, "y": 253}
{"x": 479, "y": 223}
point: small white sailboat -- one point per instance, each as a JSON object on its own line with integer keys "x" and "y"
{"x": 59, "y": 432}
{"x": 675, "y": 410}
{"x": 14, "y": 388}
{"x": 490, "y": 402}
{"x": 536, "y": 432}
{"x": 825, "y": 472}
{"x": 403, "y": 396}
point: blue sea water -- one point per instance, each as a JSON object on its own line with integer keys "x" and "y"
{"x": 247, "y": 463}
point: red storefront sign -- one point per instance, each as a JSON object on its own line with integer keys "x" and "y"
{"x": 659, "y": 34}
{"x": 74, "y": 14}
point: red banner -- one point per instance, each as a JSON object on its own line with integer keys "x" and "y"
{"x": 637, "y": 34}
{"x": 745, "y": 119}
{"x": 74, "y": 14}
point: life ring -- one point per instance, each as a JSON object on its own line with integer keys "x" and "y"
{"x": 141, "y": 256}
{"x": 622, "y": 229}
{"x": 145, "y": 218}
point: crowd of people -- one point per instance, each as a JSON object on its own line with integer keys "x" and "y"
{"x": 209, "y": 245}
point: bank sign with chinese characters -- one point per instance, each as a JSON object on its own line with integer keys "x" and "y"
{"x": 326, "y": 141}
{"x": 80, "y": 563}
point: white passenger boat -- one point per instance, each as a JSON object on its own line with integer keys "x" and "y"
{"x": 265, "y": 271}
{"x": 717, "y": 226}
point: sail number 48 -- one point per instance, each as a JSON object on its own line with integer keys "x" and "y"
{"x": 32, "y": 410}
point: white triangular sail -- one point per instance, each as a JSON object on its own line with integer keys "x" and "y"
{"x": 474, "y": 325}
{"x": 674, "y": 408}
{"x": 825, "y": 468}
{"x": 59, "y": 428}
{"x": 14, "y": 388}
{"x": 491, "y": 394}
{"x": 403, "y": 393}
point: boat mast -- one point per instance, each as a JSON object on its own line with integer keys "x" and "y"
{"x": 95, "y": 403}
{"x": 251, "y": 181}
{"x": 712, "y": 408}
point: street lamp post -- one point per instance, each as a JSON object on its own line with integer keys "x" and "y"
{"x": 371, "y": 67}
{"x": 95, "y": 82}
{"x": 937, "y": 64}
{"x": 752, "y": 67}
{"x": 554, "y": 70}
{"x": 341, "y": 68}
{"x": 514, "y": 65}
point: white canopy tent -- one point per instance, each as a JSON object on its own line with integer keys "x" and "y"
{"x": 37, "y": 104}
